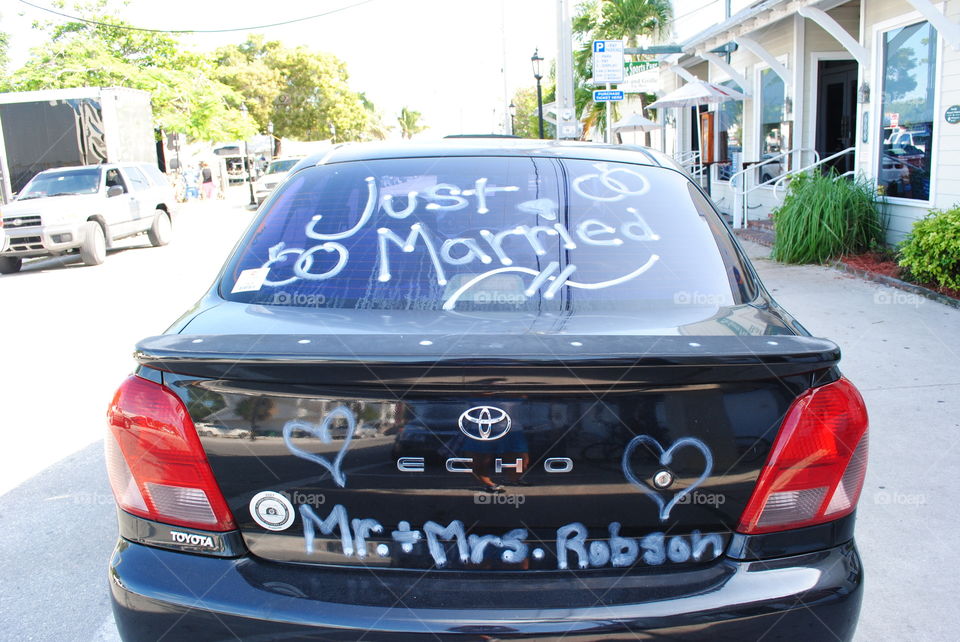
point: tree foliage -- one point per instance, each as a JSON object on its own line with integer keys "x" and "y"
{"x": 410, "y": 122}
{"x": 525, "y": 123}
{"x": 628, "y": 20}
{"x": 4, "y": 55}
{"x": 304, "y": 93}
{"x": 81, "y": 54}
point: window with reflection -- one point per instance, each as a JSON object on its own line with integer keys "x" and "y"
{"x": 772, "y": 139}
{"x": 909, "y": 80}
{"x": 730, "y": 133}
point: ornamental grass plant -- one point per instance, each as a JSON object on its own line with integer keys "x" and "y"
{"x": 824, "y": 217}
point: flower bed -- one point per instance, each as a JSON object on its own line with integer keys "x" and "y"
{"x": 883, "y": 264}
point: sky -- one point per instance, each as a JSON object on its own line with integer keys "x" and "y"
{"x": 443, "y": 58}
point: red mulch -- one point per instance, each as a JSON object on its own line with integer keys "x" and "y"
{"x": 879, "y": 263}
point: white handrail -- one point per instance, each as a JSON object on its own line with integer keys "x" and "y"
{"x": 740, "y": 192}
{"x": 817, "y": 163}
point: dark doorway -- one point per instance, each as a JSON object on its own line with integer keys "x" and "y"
{"x": 694, "y": 126}
{"x": 837, "y": 112}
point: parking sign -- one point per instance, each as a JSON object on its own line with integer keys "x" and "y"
{"x": 608, "y": 61}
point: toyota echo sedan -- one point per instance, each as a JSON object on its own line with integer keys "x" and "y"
{"x": 487, "y": 390}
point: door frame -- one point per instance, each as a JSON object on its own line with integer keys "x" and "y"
{"x": 815, "y": 59}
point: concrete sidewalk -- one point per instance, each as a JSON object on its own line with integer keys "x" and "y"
{"x": 903, "y": 353}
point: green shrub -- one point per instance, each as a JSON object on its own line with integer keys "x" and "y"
{"x": 931, "y": 252}
{"x": 823, "y": 217}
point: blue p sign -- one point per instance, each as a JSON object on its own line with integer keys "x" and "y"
{"x": 598, "y": 46}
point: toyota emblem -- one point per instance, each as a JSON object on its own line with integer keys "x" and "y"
{"x": 484, "y": 423}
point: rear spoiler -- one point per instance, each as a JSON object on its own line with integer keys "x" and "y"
{"x": 531, "y": 361}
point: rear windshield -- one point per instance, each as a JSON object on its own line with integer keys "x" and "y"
{"x": 489, "y": 234}
{"x": 281, "y": 165}
{"x": 77, "y": 181}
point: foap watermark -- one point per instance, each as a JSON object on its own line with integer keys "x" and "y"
{"x": 887, "y": 296}
{"x": 696, "y": 498}
{"x": 88, "y": 499}
{"x": 499, "y": 499}
{"x": 282, "y": 297}
{"x": 684, "y": 297}
{"x": 313, "y": 499}
{"x": 886, "y": 498}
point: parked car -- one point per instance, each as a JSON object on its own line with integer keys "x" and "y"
{"x": 84, "y": 210}
{"x": 276, "y": 171}
{"x": 609, "y": 428}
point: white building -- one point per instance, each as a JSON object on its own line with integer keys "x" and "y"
{"x": 868, "y": 87}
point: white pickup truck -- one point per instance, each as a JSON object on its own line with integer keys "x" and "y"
{"x": 85, "y": 209}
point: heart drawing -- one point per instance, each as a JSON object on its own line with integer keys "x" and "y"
{"x": 666, "y": 456}
{"x": 323, "y": 433}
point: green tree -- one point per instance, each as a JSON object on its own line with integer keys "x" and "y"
{"x": 244, "y": 69}
{"x": 627, "y": 20}
{"x": 410, "y": 123}
{"x": 525, "y": 123}
{"x": 304, "y": 93}
{"x": 4, "y": 56}
{"x": 377, "y": 128}
{"x": 81, "y": 54}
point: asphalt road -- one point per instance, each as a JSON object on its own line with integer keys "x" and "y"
{"x": 68, "y": 331}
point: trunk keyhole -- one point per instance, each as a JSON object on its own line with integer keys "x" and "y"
{"x": 663, "y": 479}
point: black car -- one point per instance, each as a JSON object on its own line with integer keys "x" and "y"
{"x": 487, "y": 390}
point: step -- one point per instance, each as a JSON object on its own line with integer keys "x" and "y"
{"x": 757, "y": 234}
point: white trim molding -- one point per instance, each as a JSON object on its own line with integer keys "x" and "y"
{"x": 722, "y": 64}
{"x": 948, "y": 29}
{"x": 831, "y": 26}
{"x": 757, "y": 50}
{"x": 683, "y": 73}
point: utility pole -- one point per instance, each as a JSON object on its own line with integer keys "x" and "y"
{"x": 507, "y": 118}
{"x": 568, "y": 126}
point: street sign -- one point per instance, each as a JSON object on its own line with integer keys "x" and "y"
{"x": 636, "y": 66}
{"x": 607, "y": 95}
{"x": 646, "y": 82}
{"x": 608, "y": 61}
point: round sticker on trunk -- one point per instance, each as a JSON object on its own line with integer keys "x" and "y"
{"x": 272, "y": 510}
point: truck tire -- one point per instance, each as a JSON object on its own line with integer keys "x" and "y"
{"x": 161, "y": 230}
{"x": 94, "y": 248}
{"x": 10, "y": 264}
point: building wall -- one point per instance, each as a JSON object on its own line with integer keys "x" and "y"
{"x": 795, "y": 41}
{"x": 948, "y": 136}
{"x": 820, "y": 45}
{"x": 944, "y": 188}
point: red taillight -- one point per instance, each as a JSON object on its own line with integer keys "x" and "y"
{"x": 156, "y": 464}
{"x": 815, "y": 470}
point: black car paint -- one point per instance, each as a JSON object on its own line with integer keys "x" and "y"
{"x": 173, "y": 595}
{"x": 166, "y": 591}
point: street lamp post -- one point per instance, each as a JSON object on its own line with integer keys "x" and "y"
{"x": 246, "y": 159}
{"x": 536, "y": 60}
{"x": 513, "y": 114}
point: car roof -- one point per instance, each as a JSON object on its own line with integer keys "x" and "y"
{"x": 495, "y": 147}
{"x": 77, "y": 168}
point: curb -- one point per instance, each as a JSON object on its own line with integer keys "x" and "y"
{"x": 896, "y": 283}
{"x": 870, "y": 276}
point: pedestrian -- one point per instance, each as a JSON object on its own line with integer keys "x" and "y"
{"x": 191, "y": 178}
{"x": 206, "y": 177}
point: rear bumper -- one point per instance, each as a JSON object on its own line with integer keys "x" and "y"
{"x": 160, "y": 593}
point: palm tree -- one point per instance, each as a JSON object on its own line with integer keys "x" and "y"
{"x": 410, "y": 122}
{"x": 626, "y": 20}
{"x": 376, "y": 128}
